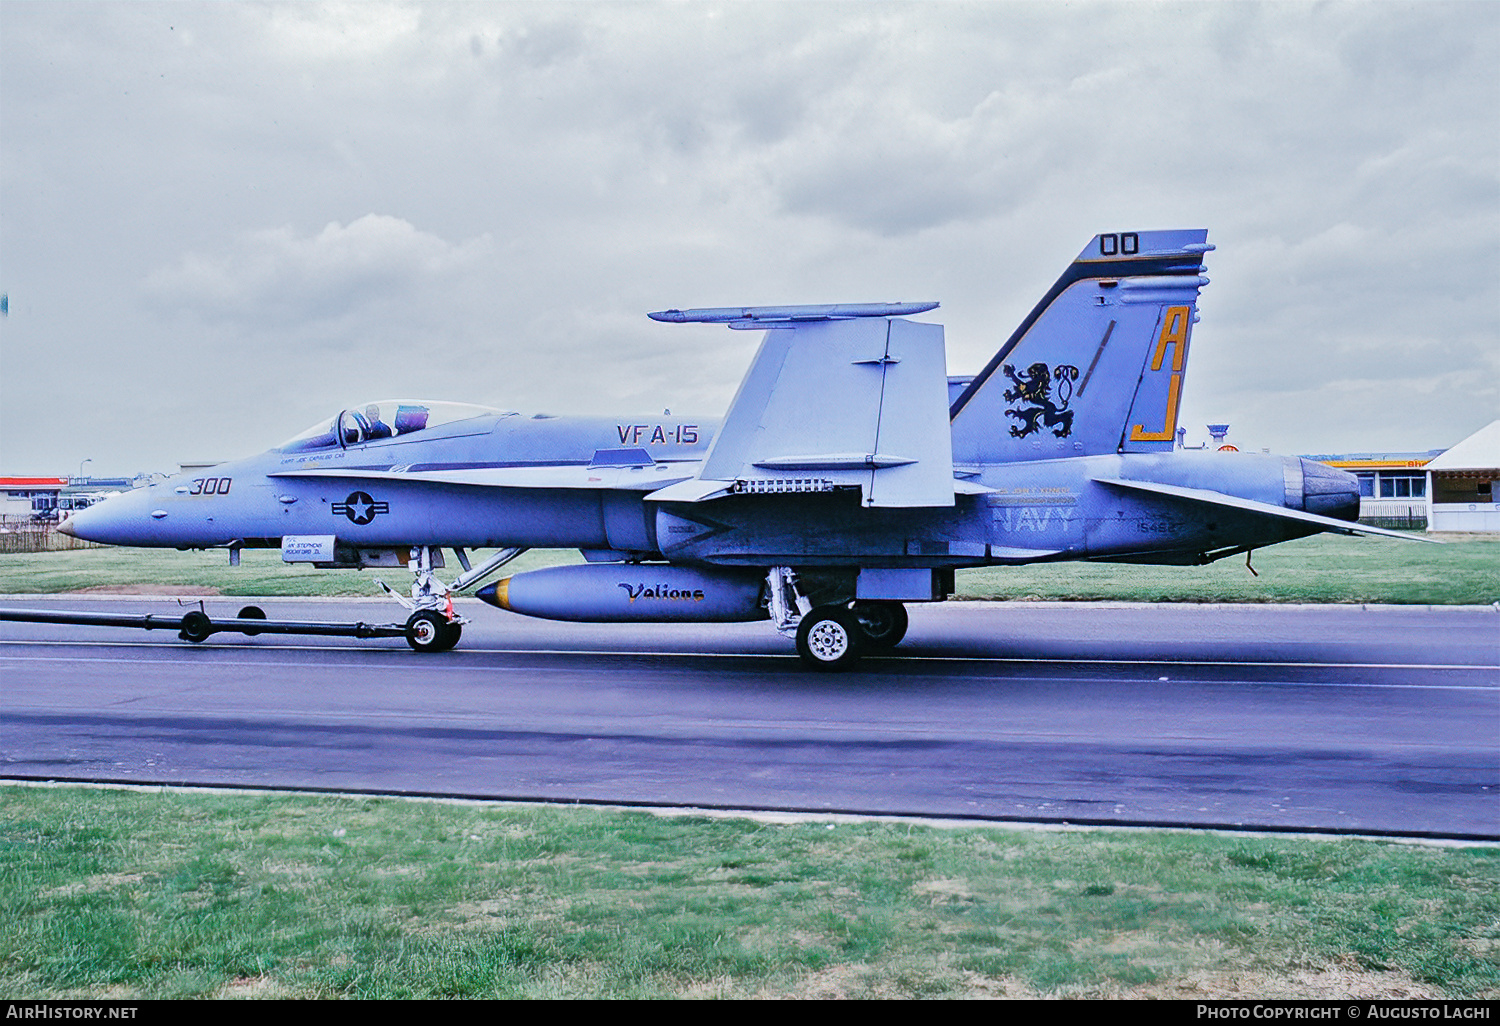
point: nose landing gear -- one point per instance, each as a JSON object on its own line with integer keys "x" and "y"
{"x": 433, "y": 625}
{"x": 430, "y": 631}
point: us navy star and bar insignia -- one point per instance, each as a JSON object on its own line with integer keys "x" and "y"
{"x": 360, "y": 508}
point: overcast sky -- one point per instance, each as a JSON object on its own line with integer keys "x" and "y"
{"x": 219, "y": 222}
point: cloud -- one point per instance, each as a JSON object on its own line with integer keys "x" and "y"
{"x": 507, "y": 187}
{"x": 274, "y": 276}
{"x": 340, "y": 32}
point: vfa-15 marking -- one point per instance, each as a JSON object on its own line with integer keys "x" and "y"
{"x": 658, "y": 434}
{"x": 849, "y": 476}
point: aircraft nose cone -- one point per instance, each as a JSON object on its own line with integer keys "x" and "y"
{"x": 98, "y": 523}
{"x": 1329, "y": 492}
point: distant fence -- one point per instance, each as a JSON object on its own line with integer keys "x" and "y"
{"x": 1410, "y": 522}
{"x": 1393, "y": 513}
{"x": 22, "y": 534}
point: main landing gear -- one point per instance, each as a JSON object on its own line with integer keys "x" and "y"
{"x": 829, "y": 638}
{"x": 832, "y": 637}
{"x": 882, "y": 624}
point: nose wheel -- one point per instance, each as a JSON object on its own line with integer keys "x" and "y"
{"x": 429, "y": 631}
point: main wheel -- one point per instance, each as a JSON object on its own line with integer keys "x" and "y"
{"x": 427, "y": 631}
{"x": 829, "y": 638}
{"x": 882, "y": 625}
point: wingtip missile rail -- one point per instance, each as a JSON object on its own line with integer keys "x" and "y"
{"x": 764, "y": 316}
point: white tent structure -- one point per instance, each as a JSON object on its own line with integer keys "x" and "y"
{"x": 1461, "y": 484}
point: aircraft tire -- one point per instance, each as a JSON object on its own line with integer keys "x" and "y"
{"x": 829, "y": 638}
{"x": 882, "y": 625}
{"x": 427, "y": 631}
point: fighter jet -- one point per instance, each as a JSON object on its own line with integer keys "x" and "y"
{"x": 850, "y": 475}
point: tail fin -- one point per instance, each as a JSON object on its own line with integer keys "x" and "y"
{"x": 1097, "y": 366}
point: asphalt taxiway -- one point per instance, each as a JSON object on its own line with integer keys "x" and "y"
{"x": 1350, "y": 719}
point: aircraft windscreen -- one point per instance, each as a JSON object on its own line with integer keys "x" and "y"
{"x": 387, "y": 418}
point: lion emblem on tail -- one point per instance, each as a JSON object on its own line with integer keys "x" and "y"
{"x": 1034, "y": 392}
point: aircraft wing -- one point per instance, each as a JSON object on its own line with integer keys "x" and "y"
{"x": 1206, "y": 497}
{"x": 836, "y": 397}
{"x": 633, "y": 479}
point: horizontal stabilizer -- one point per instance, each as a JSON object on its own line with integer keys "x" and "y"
{"x": 603, "y": 478}
{"x": 1010, "y": 554}
{"x": 1212, "y": 498}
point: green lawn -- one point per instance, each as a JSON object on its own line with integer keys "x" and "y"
{"x": 121, "y": 894}
{"x": 1324, "y": 568}
{"x": 261, "y": 572}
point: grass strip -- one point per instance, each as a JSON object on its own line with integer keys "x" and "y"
{"x": 129, "y": 894}
{"x": 261, "y": 572}
{"x": 1323, "y": 568}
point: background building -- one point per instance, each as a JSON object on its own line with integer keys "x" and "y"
{"x": 1392, "y": 485}
{"x": 53, "y": 498}
{"x": 1461, "y": 484}
{"x": 25, "y": 496}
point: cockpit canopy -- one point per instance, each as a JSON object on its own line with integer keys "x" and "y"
{"x": 383, "y": 419}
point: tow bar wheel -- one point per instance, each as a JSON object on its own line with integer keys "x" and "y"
{"x": 251, "y": 613}
{"x": 828, "y": 638}
{"x": 196, "y": 627}
{"x": 427, "y": 631}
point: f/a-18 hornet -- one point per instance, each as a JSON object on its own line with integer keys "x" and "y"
{"x": 850, "y": 474}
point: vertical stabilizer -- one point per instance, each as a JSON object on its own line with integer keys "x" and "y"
{"x": 1098, "y": 365}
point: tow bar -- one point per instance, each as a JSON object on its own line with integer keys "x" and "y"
{"x": 196, "y": 625}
